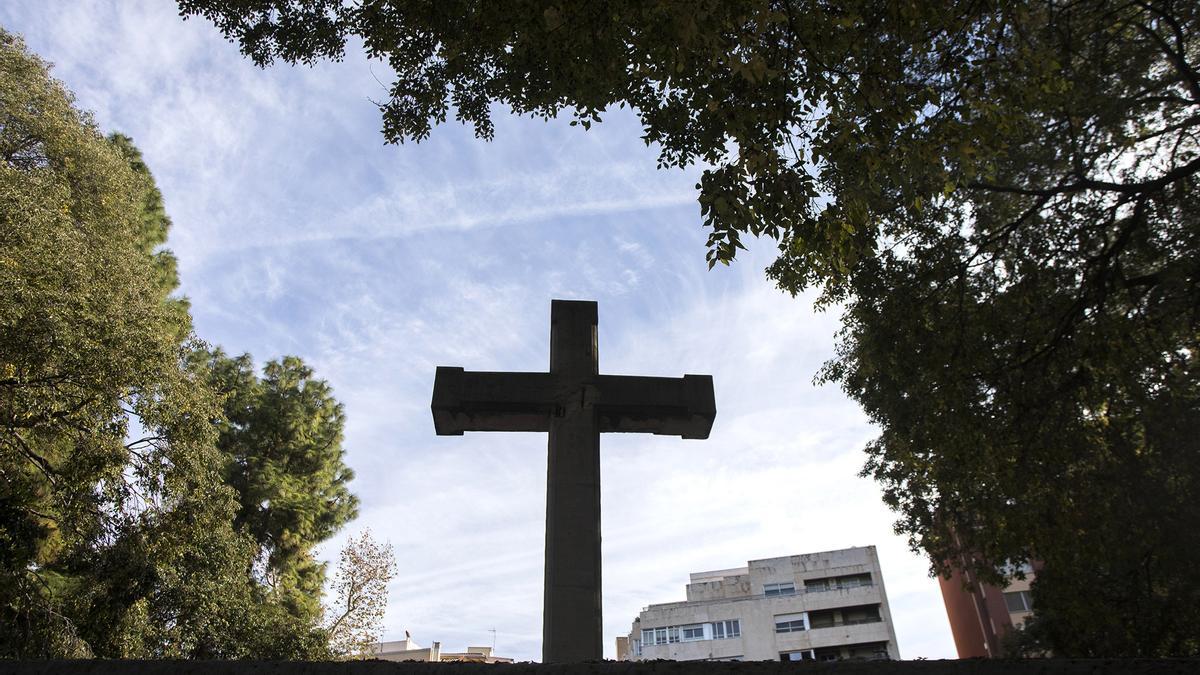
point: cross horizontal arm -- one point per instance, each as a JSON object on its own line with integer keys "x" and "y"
{"x": 485, "y": 401}
{"x": 489, "y": 401}
{"x": 666, "y": 406}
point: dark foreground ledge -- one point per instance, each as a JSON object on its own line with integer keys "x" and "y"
{"x": 972, "y": 667}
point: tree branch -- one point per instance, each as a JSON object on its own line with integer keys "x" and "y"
{"x": 1084, "y": 184}
{"x": 38, "y": 460}
{"x": 1177, "y": 56}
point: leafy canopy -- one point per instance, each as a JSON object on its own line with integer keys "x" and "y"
{"x": 1002, "y": 196}
{"x": 108, "y": 456}
{"x": 282, "y": 440}
{"x": 121, "y": 530}
{"x": 828, "y": 126}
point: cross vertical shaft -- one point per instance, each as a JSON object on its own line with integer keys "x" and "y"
{"x": 571, "y": 622}
{"x": 574, "y": 404}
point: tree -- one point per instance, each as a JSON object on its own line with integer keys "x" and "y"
{"x": 89, "y": 356}
{"x": 1000, "y": 196}
{"x": 117, "y": 534}
{"x": 152, "y": 230}
{"x": 354, "y": 620}
{"x": 282, "y": 441}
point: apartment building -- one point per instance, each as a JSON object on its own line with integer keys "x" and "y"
{"x": 825, "y": 606}
{"x": 981, "y": 614}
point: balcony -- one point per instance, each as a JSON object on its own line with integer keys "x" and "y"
{"x": 861, "y": 630}
{"x": 829, "y": 589}
{"x": 835, "y": 598}
{"x": 850, "y": 622}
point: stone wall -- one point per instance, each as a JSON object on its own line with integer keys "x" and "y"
{"x": 967, "y": 667}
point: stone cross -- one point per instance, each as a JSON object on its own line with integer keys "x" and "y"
{"x": 575, "y": 404}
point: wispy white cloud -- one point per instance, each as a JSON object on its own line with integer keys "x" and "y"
{"x": 299, "y": 232}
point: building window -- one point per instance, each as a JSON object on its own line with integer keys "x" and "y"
{"x": 726, "y": 629}
{"x": 691, "y": 633}
{"x": 843, "y": 616}
{"x": 823, "y": 619}
{"x": 786, "y": 588}
{"x": 837, "y": 583}
{"x": 790, "y": 623}
{"x": 818, "y": 585}
{"x": 1012, "y": 569}
{"x": 870, "y": 651}
{"x": 660, "y": 636}
{"x": 1019, "y": 601}
{"x": 854, "y": 581}
{"x": 802, "y": 655}
{"x": 828, "y": 654}
{"x": 855, "y": 615}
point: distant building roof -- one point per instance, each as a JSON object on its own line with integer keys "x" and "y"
{"x": 408, "y": 650}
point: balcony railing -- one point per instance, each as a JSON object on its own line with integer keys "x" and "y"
{"x": 851, "y": 622}
{"x": 819, "y": 589}
{"x": 798, "y": 591}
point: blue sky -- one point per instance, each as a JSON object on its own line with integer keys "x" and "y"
{"x": 299, "y": 232}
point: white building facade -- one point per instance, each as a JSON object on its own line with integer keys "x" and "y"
{"x": 817, "y": 606}
{"x": 408, "y": 650}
